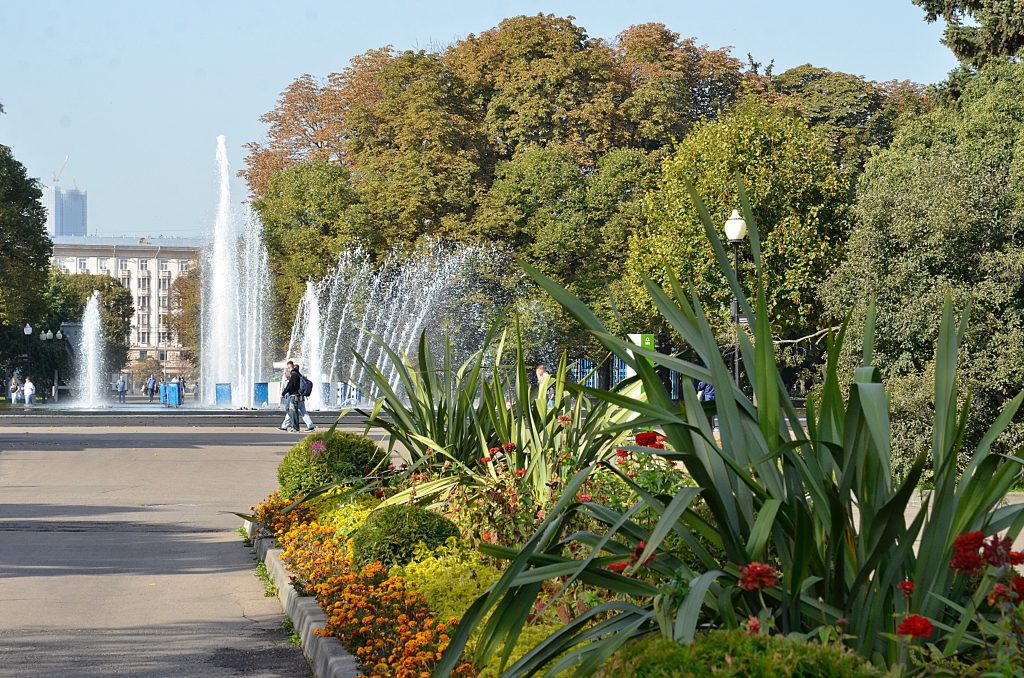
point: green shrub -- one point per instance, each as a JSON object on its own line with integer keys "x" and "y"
{"x": 345, "y": 455}
{"x": 735, "y": 653}
{"x": 391, "y": 534}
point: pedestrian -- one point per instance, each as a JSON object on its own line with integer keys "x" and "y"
{"x": 543, "y": 380}
{"x": 705, "y": 392}
{"x": 150, "y": 387}
{"x": 30, "y": 391}
{"x": 288, "y": 394}
{"x": 122, "y": 389}
{"x": 12, "y": 390}
{"x": 305, "y": 389}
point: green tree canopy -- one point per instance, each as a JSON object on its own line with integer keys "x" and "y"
{"x": 185, "y": 317}
{"x": 799, "y": 198}
{"x": 939, "y": 212}
{"x": 979, "y": 30}
{"x": 72, "y": 292}
{"x": 24, "y": 245}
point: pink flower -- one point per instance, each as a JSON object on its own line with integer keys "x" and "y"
{"x": 318, "y": 447}
{"x": 753, "y": 626}
{"x": 757, "y": 576}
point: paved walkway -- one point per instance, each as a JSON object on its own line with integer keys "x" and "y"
{"x": 117, "y": 557}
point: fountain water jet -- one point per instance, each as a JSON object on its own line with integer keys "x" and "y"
{"x": 91, "y": 381}
{"x": 235, "y": 292}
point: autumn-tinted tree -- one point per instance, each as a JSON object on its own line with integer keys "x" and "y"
{"x": 979, "y": 30}
{"x": 185, "y": 319}
{"x": 24, "y": 245}
{"x": 541, "y": 80}
{"x": 672, "y": 83}
{"x": 798, "y": 196}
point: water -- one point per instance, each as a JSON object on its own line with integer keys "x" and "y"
{"x": 234, "y": 300}
{"x": 92, "y": 383}
{"x": 440, "y": 290}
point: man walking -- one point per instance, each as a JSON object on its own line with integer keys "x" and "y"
{"x": 151, "y": 387}
{"x": 289, "y": 394}
{"x": 300, "y": 404}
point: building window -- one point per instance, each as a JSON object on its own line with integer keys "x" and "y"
{"x": 122, "y": 264}
{"x": 163, "y": 355}
{"x": 143, "y": 355}
{"x": 185, "y": 265}
{"x": 143, "y": 338}
{"x": 165, "y": 283}
{"x": 143, "y": 264}
{"x": 143, "y": 283}
{"x": 143, "y": 302}
{"x": 144, "y": 319}
{"x": 163, "y": 339}
{"x": 163, "y": 301}
{"x": 104, "y": 265}
{"x": 82, "y": 265}
{"x": 165, "y": 265}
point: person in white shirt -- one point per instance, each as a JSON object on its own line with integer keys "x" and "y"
{"x": 30, "y": 391}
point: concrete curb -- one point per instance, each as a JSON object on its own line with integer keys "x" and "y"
{"x": 327, "y": 657}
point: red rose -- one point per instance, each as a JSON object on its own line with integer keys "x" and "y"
{"x": 915, "y": 626}
{"x": 758, "y": 576}
{"x": 908, "y": 588}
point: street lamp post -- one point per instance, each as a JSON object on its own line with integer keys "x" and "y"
{"x": 736, "y": 232}
{"x": 48, "y": 335}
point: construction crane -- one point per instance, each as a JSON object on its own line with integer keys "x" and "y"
{"x": 60, "y": 170}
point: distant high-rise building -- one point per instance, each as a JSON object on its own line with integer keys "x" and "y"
{"x": 66, "y": 210}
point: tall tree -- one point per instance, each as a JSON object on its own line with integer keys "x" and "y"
{"x": 185, "y": 319}
{"x": 116, "y": 310}
{"x": 672, "y": 83}
{"x": 979, "y": 31}
{"x": 541, "y": 80}
{"x": 24, "y": 245}
{"x": 799, "y": 198}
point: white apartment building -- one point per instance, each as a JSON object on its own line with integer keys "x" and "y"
{"x": 147, "y": 267}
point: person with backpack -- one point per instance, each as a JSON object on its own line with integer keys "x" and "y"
{"x": 289, "y": 394}
{"x": 305, "y": 390}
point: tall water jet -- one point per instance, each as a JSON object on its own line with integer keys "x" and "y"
{"x": 91, "y": 380}
{"x": 235, "y": 290}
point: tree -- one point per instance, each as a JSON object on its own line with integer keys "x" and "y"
{"x": 539, "y": 81}
{"x": 672, "y": 83}
{"x": 24, "y": 245}
{"x": 940, "y": 212}
{"x": 309, "y": 213}
{"x": 799, "y": 198}
{"x": 185, "y": 319}
{"x": 978, "y": 31}
{"x": 116, "y": 310}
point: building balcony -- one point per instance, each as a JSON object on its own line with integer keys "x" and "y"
{"x": 144, "y": 274}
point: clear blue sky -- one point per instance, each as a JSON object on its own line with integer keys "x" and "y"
{"x": 136, "y": 92}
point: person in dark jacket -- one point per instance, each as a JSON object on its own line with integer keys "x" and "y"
{"x": 290, "y": 394}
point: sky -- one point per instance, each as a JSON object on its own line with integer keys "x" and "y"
{"x": 137, "y": 92}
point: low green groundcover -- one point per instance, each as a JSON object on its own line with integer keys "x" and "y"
{"x": 735, "y": 653}
{"x": 331, "y": 456}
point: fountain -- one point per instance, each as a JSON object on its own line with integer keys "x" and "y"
{"x": 91, "y": 381}
{"x": 437, "y": 289}
{"x": 235, "y": 291}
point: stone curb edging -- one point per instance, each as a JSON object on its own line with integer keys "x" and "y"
{"x": 327, "y": 657}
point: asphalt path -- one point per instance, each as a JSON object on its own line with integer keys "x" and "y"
{"x": 119, "y": 555}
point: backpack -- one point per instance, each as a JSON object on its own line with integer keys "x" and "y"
{"x": 305, "y": 386}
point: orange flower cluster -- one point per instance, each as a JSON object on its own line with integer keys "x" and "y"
{"x": 268, "y": 513}
{"x": 311, "y": 551}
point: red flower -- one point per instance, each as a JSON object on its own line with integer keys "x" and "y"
{"x": 758, "y": 576}
{"x": 753, "y": 626}
{"x": 639, "y": 551}
{"x": 509, "y": 448}
{"x": 915, "y": 626}
{"x": 520, "y": 471}
{"x": 966, "y": 559}
{"x": 1016, "y": 558}
{"x": 997, "y": 550}
{"x": 908, "y": 588}
{"x": 494, "y": 450}
{"x": 618, "y": 567}
{"x": 485, "y": 459}
{"x": 1018, "y": 587}
{"x": 999, "y": 593}
{"x": 646, "y": 438}
{"x": 584, "y": 497}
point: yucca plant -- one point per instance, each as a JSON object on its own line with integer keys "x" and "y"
{"x": 464, "y": 424}
{"x": 817, "y": 500}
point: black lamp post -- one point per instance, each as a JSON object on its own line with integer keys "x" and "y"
{"x": 736, "y": 232}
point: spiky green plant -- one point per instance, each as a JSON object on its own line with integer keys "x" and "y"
{"x": 817, "y": 499}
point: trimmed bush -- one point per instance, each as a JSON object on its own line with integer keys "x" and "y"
{"x": 391, "y": 534}
{"x": 735, "y": 653}
{"x": 327, "y": 457}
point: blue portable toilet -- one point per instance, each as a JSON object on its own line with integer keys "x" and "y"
{"x": 174, "y": 394}
{"x": 163, "y": 393}
{"x": 223, "y": 394}
{"x": 260, "y": 394}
